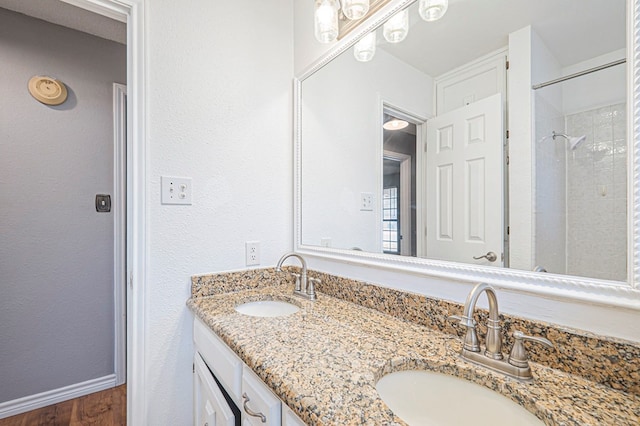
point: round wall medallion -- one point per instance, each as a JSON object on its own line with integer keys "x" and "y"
{"x": 47, "y": 90}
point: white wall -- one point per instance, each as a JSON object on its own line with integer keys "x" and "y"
{"x": 549, "y": 231}
{"x": 344, "y": 159}
{"x": 521, "y": 221}
{"x": 219, "y": 105}
{"x": 602, "y": 88}
{"x": 56, "y": 251}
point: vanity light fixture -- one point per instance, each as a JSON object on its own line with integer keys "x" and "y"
{"x": 395, "y": 124}
{"x": 365, "y": 48}
{"x": 397, "y": 27}
{"x": 326, "y": 20}
{"x": 355, "y": 9}
{"x": 432, "y": 10}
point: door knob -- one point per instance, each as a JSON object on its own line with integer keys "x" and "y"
{"x": 490, "y": 256}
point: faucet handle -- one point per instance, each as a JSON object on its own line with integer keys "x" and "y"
{"x": 311, "y": 288}
{"x": 298, "y": 285}
{"x": 462, "y": 320}
{"x": 518, "y": 356}
{"x": 470, "y": 341}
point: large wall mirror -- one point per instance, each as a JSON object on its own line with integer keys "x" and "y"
{"x": 495, "y": 137}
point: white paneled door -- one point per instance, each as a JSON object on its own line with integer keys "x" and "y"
{"x": 464, "y": 184}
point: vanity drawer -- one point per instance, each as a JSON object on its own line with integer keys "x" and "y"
{"x": 225, "y": 364}
{"x": 258, "y": 401}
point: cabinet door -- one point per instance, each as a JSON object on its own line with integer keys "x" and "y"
{"x": 260, "y": 407}
{"x": 224, "y": 363}
{"x": 210, "y": 407}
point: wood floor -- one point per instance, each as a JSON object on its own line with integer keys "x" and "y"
{"x": 105, "y": 408}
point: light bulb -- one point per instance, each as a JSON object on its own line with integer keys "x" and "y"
{"x": 397, "y": 27}
{"x": 365, "y": 48}
{"x": 432, "y": 10}
{"x": 326, "y": 20}
{"x": 395, "y": 124}
{"x": 355, "y": 9}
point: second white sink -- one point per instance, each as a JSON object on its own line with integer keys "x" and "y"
{"x": 267, "y": 308}
{"x": 433, "y": 399}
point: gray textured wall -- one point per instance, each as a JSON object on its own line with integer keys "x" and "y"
{"x": 56, "y": 252}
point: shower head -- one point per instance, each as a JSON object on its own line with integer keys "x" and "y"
{"x": 574, "y": 141}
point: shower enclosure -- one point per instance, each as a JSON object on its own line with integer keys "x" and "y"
{"x": 580, "y": 184}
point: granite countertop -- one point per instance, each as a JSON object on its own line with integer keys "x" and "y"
{"x": 324, "y": 361}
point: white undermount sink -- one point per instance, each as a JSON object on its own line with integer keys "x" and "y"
{"x": 433, "y": 399}
{"x": 267, "y": 308}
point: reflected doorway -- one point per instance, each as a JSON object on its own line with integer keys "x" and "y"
{"x": 399, "y": 185}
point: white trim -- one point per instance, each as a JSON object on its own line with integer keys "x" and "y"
{"x": 496, "y": 60}
{"x": 43, "y": 399}
{"x": 633, "y": 141}
{"x": 107, "y": 8}
{"x": 137, "y": 242}
{"x": 594, "y": 291}
{"x": 133, "y": 11}
{"x": 120, "y": 229}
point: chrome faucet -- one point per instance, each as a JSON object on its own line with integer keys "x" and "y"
{"x": 517, "y": 365}
{"x": 304, "y": 286}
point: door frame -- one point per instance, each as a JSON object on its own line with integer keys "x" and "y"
{"x": 420, "y": 121}
{"x": 120, "y": 229}
{"x": 133, "y": 13}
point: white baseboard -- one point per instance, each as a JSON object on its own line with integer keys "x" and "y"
{"x": 32, "y": 402}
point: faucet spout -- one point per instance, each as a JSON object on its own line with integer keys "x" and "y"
{"x": 517, "y": 365}
{"x": 472, "y": 299}
{"x": 288, "y": 255}
{"x": 301, "y": 285}
{"x": 494, "y": 337}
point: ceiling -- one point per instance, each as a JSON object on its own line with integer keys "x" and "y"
{"x": 61, "y": 13}
{"x": 573, "y": 30}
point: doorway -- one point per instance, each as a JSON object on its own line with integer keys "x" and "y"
{"x": 399, "y": 183}
{"x": 58, "y": 261}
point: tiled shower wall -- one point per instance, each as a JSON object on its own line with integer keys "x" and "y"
{"x": 596, "y": 193}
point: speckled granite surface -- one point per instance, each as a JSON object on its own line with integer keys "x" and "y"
{"x": 612, "y": 362}
{"x": 324, "y": 360}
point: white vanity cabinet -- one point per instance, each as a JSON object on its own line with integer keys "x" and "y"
{"x": 256, "y": 403}
{"x": 259, "y": 405}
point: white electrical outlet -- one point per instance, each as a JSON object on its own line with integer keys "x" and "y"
{"x": 325, "y": 242}
{"x": 175, "y": 190}
{"x": 366, "y": 201}
{"x": 252, "y": 252}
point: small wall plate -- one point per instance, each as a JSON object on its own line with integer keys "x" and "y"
{"x": 47, "y": 90}
{"x": 103, "y": 203}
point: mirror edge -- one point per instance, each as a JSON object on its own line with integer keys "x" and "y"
{"x": 590, "y": 290}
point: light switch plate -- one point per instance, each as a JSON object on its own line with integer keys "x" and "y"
{"x": 176, "y": 190}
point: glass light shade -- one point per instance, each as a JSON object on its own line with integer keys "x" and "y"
{"x": 355, "y": 9}
{"x": 397, "y": 27}
{"x": 365, "y": 49}
{"x": 395, "y": 124}
{"x": 326, "y": 20}
{"x": 432, "y": 10}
